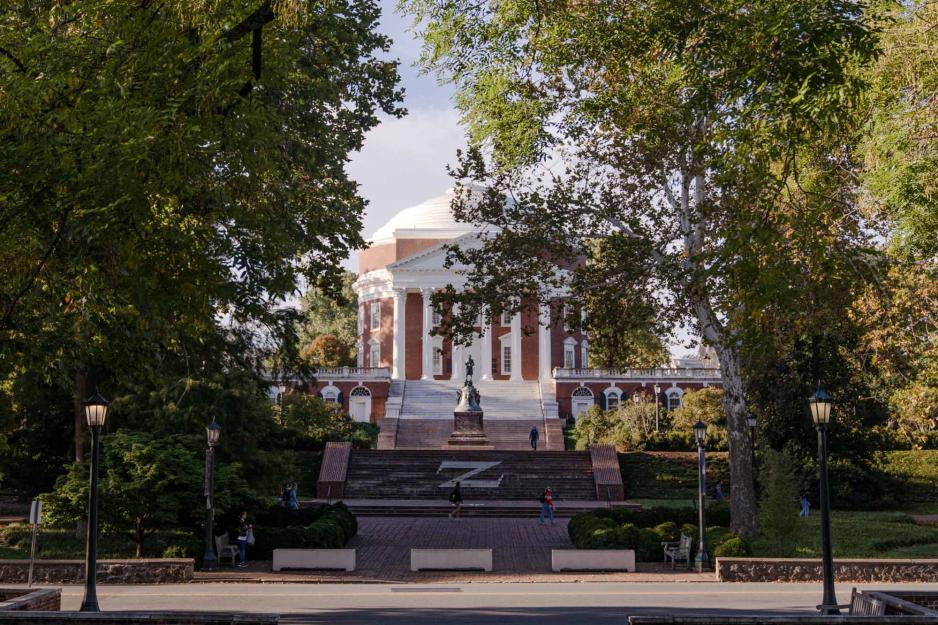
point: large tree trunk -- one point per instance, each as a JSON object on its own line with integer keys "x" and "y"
{"x": 742, "y": 490}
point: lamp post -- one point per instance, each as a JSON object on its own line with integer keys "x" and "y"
{"x": 657, "y": 395}
{"x": 751, "y": 421}
{"x": 820, "y": 404}
{"x": 96, "y": 414}
{"x": 702, "y": 561}
{"x": 212, "y": 432}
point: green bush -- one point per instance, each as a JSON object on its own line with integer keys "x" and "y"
{"x": 328, "y": 527}
{"x": 178, "y": 551}
{"x": 667, "y": 531}
{"x": 778, "y": 507}
{"x": 732, "y": 547}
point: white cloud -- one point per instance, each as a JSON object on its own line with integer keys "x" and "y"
{"x": 403, "y": 162}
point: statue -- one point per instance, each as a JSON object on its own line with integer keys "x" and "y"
{"x": 470, "y": 365}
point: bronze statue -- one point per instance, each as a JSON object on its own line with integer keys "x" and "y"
{"x": 470, "y": 365}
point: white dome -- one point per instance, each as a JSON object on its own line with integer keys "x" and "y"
{"x": 432, "y": 214}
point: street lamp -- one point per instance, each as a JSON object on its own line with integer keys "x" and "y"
{"x": 657, "y": 395}
{"x": 751, "y": 421}
{"x": 96, "y": 414}
{"x": 212, "y": 432}
{"x": 820, "y": 404}
{"x": 702, "y": 561}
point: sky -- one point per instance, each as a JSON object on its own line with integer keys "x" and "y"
{"x": 403, "y": 161}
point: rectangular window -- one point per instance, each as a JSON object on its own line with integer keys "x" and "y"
{"x": 612, "y": 401}
{"x": 506, "y": 359}
{"x": 505, "y": 319}
{"x": 437, "y": 318}
{"x": 584, "y": 357}
{"x": 375, "y": 355}
{"x": 567, "y": 311}
{"x": 568, "y": 357}
{"x": 375, "y": 315}
{"x": 361, "y": 320}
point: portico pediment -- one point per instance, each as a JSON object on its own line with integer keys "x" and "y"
{"x": 434, "y": 258}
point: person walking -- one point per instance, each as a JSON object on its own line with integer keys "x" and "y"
{"x": 547, "y": 505}
{"x": 455, "y": 500}
{"x": 718, "y": 492}
{"x": 805, "y": 506}
{"x": 294, "y": 503}
{"x": 533, "y": 437}
{"x": 245, "y": 538}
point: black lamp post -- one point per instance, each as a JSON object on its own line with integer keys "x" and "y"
{"x": 212, "y": 432}
{"x": 96, "y": 414}
{"x": 702, "y": 561}
{"x": 751, "y": 421}
{"x": 820, "y": 404}
{"x": 657, "y": 399}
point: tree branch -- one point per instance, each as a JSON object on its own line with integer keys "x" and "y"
{"x": 253, "y": 22}
{"x": 15, "y": 61}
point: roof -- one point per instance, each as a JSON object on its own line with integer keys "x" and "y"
{"x": 430, "y": 215}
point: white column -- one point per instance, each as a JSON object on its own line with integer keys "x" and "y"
{"x": 543, "y": 343}
{"x": 516, "y": 347}
{"x": 458, "y": 357}
{"x": 397, "y": 354}
{"x": 485, "y": 367}
{"x": 427, "y": 373}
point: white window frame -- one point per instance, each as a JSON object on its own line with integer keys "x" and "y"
{"x": 437, "y": 318}
{"x": 374, "y": 353}
{"x": 505, "y": 319}
{"x": 578, "y": 399}
{"x": 584, "y": 355}
{"x": 672, "y": 394}
{"x": 360, "y": 356}
{"x": 569, "y": 353}
{"x": 613, "y": 393}
{"x": 506, "y": 357}
{"x": 566, "y": 315}
{"x": 360, "y": 321}
{"x": 330, "y": 394}
{"x": 375, "y": 316}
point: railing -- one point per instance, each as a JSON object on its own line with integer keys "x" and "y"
{"x": 352, "y": 372}
{"x": 638, "y": 374}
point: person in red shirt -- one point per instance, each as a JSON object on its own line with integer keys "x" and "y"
{"x": 547, "y": 505}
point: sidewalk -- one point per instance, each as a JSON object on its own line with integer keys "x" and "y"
{"x": 520, "y": 548}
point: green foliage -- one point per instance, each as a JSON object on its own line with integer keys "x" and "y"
{"x": 65, "y": 544}
{"x": 669, "y": 474}
{"x": 913, "y": 475}
{"x": 328, "y": 527}
{"x": 318, "y": 422}
{"x": 732, "y": 547}
{"x": 330, "y": 313}
{"x": 326, "y": 350}
{"x": 147, "y": 483}
{"x": 778, "y": 507}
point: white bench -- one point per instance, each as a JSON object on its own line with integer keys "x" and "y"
{"x": 342, "y": 559}
{"x": 592, "y": 560}
{"x": 450, "y": 559}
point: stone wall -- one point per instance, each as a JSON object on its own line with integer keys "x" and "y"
{"x": 135, "y": 618}
{"x": 809, "y": 570}
{"x": 33, "y": 600}
{"x": 142, "y": 571}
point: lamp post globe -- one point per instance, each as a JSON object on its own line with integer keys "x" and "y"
{"x": 96, "y": 408}
{"x": 212, "y": 433}
{"x": 702, "y": 561}
{"x": 820, "y": 403}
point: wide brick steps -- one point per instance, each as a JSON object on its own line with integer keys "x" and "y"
{"x": 518, "y": 475}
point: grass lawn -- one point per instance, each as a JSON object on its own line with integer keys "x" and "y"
{"x": 671, "y": 475}
{"x": 862, "y": 535}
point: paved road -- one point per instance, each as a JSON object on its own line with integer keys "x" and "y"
{"x": 465, "y": 604}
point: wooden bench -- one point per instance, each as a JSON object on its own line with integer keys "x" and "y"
{"x": 327, "y": 559}
{"x": 450, "y": 559}
{"x": 678, "y": 550}
{"x": 224, "y": 549}
{"x": 592, "y": 560}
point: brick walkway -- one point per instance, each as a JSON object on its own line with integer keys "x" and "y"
{"x": 521, "y": 552}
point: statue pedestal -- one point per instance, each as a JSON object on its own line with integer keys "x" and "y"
{"x": 468, "y": 431}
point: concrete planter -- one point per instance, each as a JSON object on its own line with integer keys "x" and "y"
{"x": 592, "y": 560}
{"x": 340, "y": 559}
{"x": 450, "y": 559}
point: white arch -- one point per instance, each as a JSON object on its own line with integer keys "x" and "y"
{"x": 675, "y": 397}
{"x": 359, "y": 404}
{"x": 613, "y": 397}
{"x": 581, "y": 400}
{"x": 330, "y": 393}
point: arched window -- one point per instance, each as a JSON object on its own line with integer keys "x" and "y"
{"x": 331, "y": 394}
{"x": 674, "y": 396}
{"x": 581, "y": 400}
{"x": 613, "y": 398}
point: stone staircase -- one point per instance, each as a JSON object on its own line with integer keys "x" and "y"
{"x": 425, "y": 474}
{"x": 435, "y": 399}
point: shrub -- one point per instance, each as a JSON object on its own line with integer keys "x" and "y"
{"x": 667, "y": 531}
{"x": 778, "y": 516}
{"x": 733, "y": 547}
{"x": 177, "y": 551}
{"x": 327, "y": 527}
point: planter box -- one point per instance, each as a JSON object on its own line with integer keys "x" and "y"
{"x": 592, "y": 560}
{"x": 342, "y": 559}
{"x": 450, "y": 559}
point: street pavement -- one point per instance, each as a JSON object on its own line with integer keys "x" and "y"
{"x": 471, "y": 603}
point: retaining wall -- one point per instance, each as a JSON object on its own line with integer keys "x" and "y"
{"x": 137, "y": 571}
{"x": 809, "y": 570}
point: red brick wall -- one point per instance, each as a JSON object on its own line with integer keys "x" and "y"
{"x": 529, "y": 341}
{"x": 565, "y": 391}
{"x": 413, "y": 333}
{"x": 376, "y": 257}
{"x": 384, "y": 333}
{"x": 379, "y": 393}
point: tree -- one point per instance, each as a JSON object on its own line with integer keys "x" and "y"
{"x": 326, "y": 350}
{"x": 778, "y": 518}
{"x": 147, "y": 483}
{"x": 678, "y": 133}
{"x": 326, "y": 313}
{"x": 171, "y": 172}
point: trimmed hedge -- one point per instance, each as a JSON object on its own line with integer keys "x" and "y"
{"x": 645, "y": 530}
{"x": 328, "y": 527}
